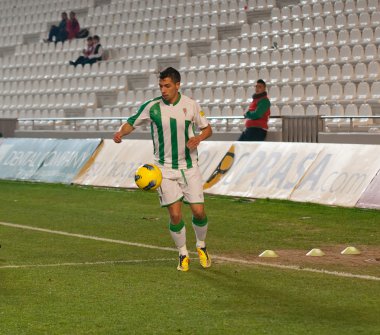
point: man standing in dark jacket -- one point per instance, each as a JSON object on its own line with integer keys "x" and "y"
{"x": 256, "y": 119}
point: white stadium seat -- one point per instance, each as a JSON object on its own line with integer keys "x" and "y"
{"x": 275, "y": 75}
{"x": 324, "y": 110}
{"x": 358, "y": 53}
{"x": 329, "y": 22}
{"x": 373, "y": 70}
{"x": 365, "y": 110}
{"x": 240, "y": 95}
{"x": 310, "y": 92}
{"x": 351, "y": 110}
{"x": 375, "y": 91}
{"x": 297, "y": 56}
{"x": 208, "y": 96}
{"x": 370, "y": 52}
{"x": 274, "y": 93}
{"x": 264, "y": 74}
{"x": 310, "y": 73}
{"x": 298, "y": 93}
{"x": 323, "y": 92}
{"x": 347, "y": 71}
{"x": 375, "y": 18}
{"x": 286, "y": 94}
{"x": 286, "y": 74}
{"x": 336, "y": 91}
{"x": 363, "y": 91}
{"x": 298, "y": 110}
{"x": 286, "y": 110}
{"x": 298, "y": 74}
{"x": 349, "y": 91}
{"x": 345, "y": 53}
{"x": 343, "y": 37}
{"x": 333, "y": 54}
{"x": 311, "y": 110}
{"x": 322, "y": 72}
{"x": 337, "y": 110}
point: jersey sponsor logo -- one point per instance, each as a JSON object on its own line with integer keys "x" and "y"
{"x": 185, "y": 111}
{"x": 202, "y": 113}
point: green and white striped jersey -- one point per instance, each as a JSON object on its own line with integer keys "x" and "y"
{"x": 171, "y": 127}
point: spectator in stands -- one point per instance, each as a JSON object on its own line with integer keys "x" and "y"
{"x": 89, "y": 50}
{"x": 257, "y": 116}
{"x": 97, "y": 55}
{"x": 58, "y": 33}
{"x": 72, "y": 27}
{"x": 94, "y": 56}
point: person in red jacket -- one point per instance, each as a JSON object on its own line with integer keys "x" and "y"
{"x": 256, "y": 119}
{"x": 72, "y": 26}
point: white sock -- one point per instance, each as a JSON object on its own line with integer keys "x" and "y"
{"x": 179, "y": 239}
{"x": 200, "y": 234}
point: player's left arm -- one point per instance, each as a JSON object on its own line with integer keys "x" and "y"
{"x": 193, "y": 142}
{"x": 202, "y": 123}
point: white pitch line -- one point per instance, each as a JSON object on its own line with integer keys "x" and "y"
{"x": 88, "y": 237}
{"x": 296, "y": 268}
{"x": 222, "y": 258}
{"x": 23, "y": 266}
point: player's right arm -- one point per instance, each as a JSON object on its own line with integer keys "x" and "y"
{"x": 124, "y": 130}
{"x": 142, "y": 116}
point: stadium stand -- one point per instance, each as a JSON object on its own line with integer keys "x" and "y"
{"x": 319, "y": 58}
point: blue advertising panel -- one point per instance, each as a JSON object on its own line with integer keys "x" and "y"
{"x": 20, "y": 158}
{"x": 65, "y": 160}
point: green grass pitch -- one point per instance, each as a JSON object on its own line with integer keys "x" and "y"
{"x": 64, "y": 284}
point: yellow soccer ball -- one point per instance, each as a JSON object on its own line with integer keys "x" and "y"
{"x": 148, "y": 177}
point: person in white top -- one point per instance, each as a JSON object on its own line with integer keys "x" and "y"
{"x": 92, "y": 54}
{"x": 172, "y": 118}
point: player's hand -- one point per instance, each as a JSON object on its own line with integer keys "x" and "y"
{"x": 117, "y": 137}
{"x": 193, "y": 142}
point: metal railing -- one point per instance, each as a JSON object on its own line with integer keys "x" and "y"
{"x": 351, "y": 121}
{"x": 294, "y": 128}
{"x": 75, "y": 122}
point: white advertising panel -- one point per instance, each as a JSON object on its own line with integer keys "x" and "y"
{"x": 115, "y": 164}
{"x": 210, "y": 154}
{"x": 266, "y": 169}
{"x": 371, "y": 196}
{"x": 339, "y": 175}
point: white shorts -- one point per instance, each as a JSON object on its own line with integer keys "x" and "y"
{"x": 178, "y": 185}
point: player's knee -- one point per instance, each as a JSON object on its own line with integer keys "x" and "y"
{"x": 199, "y": 214}
{"x": 175, "y": 218}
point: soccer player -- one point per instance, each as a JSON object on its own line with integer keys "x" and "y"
{"x": 172, "y": 118}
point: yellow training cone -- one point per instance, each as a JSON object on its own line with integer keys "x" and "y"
{"x": 350, "y": 251}
{"x": 315, "y": 253}
{"x": 268, "y": 253}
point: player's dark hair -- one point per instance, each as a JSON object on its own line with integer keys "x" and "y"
{"x": 171, "y": 73}
{"x": 96, "y": 37}
{"x": 260, "y": 81}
